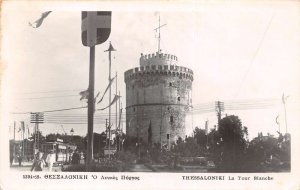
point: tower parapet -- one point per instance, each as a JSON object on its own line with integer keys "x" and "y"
{"x": 158, "y": 59}
{"x": 166, "y": 70}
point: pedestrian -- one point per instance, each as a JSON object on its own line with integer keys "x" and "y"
{"x": 38, "y": 163}
{"x": 50, "y": 159}
{"x": 20, "y": 159}
{"x": 11, "y": 159}
{"x": 75, "y": 158}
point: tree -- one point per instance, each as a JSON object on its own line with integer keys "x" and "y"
{"x": 200, "y": 136}
{"x": 232, "y": 143}
{"x": 267, "y": 152}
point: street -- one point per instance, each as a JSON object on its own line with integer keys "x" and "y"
{"x": 26, "y": 166}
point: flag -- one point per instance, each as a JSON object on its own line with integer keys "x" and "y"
{"x": 84, "y": 94}
{"x": 277, "y": 119}
{"x": 109, "y": 84}
{"x": 206, "y": 127}
{"x": 28, "y": 131}
{"x": 96, "y": 97}
{"x": 39, "y": 22}
{"x": 95, "y": 27}
{"x": 120, "y": 116}
{"x": 116, "y": 98}
{"x": 284, "y": 98}
{"x": 22, "y": 126}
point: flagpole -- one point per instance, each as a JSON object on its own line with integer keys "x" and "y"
{"x": 109, "y": 122}
{"x": 119, "y": 125}
{"x": 110, "y": 49}
{"x": 91, "y": 106}
{"x": 283, "y": 101}
{"x": 286, "y": 131}
{"x": 116, "y": 102}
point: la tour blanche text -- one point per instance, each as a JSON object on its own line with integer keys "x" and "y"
{"x": 223, "y": 178}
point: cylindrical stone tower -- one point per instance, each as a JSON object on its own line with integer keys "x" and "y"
{"x": 158, "y": 95}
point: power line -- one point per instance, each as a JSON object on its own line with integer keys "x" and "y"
{"x": 46, "y": 97}
{"x": 254, "y": 56}
{"x": 49, "y": 92}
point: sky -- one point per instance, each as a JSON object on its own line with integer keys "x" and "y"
{"x": 239, "y": 52}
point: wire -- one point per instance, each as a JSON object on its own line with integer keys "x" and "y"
{"x": 51, "y": 92}
{"x": 254, "y": 56}
{"x": 45, "y": 97}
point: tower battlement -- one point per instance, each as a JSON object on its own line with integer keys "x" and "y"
{"x": 158, "y": 59}
{"x": 168, "y": 70}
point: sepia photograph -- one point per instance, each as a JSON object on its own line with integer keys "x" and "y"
{"x": 204, "y": 95}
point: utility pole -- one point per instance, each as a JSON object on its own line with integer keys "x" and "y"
{"x": 110, "y": 49}
{"x": 22, "y": 136}
{"x": 116, "y": 102}
{"x": 91, "y": 110}
{"x": 36, "y": 118}
{"x": 106, "y": 131}
{"x": 119, "y": 125}
{"x": 219, "y": 108}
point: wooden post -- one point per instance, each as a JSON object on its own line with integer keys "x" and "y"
{"x": 91, "y": 105}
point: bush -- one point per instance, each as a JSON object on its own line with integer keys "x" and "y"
{"x": 105, "y": 165}
{"x": 126, "y": 156}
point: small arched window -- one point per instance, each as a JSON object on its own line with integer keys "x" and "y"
{"x": 171, "y": 119}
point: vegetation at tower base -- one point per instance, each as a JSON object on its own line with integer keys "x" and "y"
{"x": 228, "y": 147}
{"x": 232, "y": 144}
{"x": 223, "y": 149}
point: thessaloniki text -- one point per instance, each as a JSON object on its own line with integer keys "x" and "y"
{"x": 203, "y": 177}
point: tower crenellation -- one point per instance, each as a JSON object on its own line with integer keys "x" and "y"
{"x": 158, "y": 59}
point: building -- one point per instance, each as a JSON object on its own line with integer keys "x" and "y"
{"x": 158, "y": 97}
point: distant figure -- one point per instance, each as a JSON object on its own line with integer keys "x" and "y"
{"x": 38, "y": 163}
{"x": 11, "y": 159}
{"x": 50, "y": 160}
{"x": 20, "y": 159}
{"x": 76, "y": 158}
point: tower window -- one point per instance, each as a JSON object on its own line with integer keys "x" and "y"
{"x": 178, "y": 99}
{"x": 171, "y": 119}
{"x": 170, "y": 84}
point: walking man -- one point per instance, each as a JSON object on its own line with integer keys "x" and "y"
{"x": 50, "y": 160}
